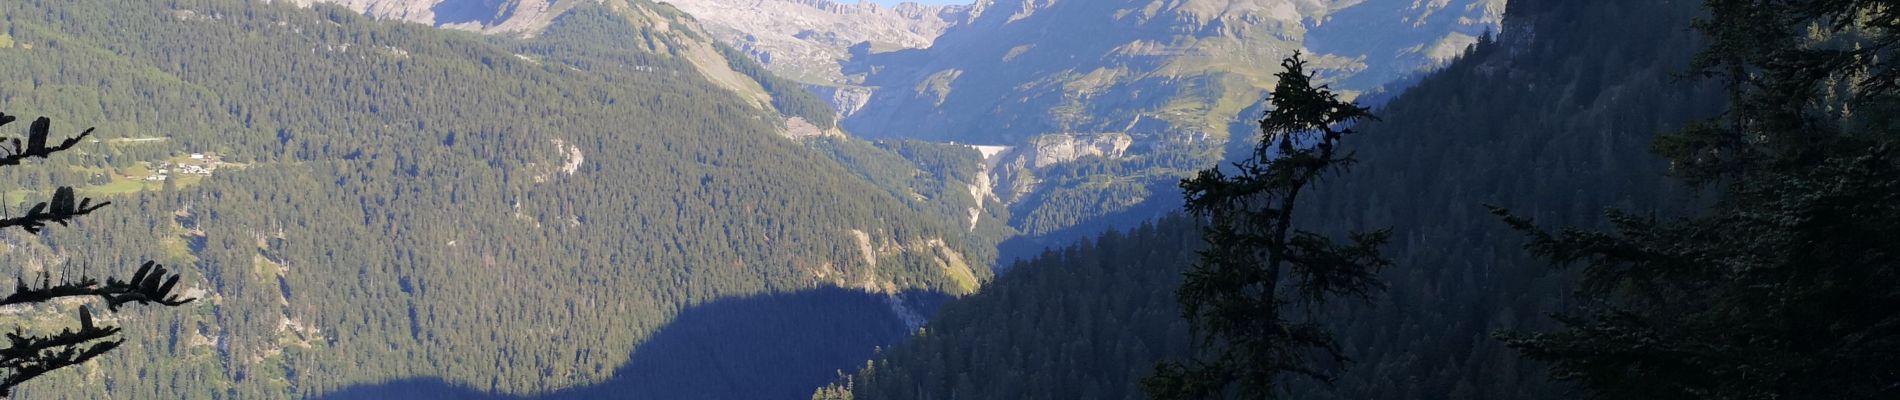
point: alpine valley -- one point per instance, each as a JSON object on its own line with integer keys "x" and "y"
{"x": 813, "y": 199}
{"x": 1085, "y": 109}
{"x": 621, "y": 168}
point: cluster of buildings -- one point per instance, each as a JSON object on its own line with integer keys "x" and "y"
{"x": 200, "y": 164}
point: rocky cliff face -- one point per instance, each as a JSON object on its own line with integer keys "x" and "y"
{"x": 1011, "y": 172}
{"x": 807, "y": 40}
{"x": 846, "y": 99}
{"x": 1022, "y": 68}
{"x": 489, "y": 16}
{"x": 1049, "y": 150}
{"x": 1412, "y": 35}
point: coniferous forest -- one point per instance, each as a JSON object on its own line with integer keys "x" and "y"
{"x": 393, "y": 200}
{"x": 1614, "y": 199}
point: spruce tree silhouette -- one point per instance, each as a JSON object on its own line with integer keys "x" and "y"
{"x": 1240, "y": 297}
{"x": 28, "y": 356}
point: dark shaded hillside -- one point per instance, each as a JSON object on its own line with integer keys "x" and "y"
{"x": 1023, "y": 247}
{"x": 1554, "y": 119}
{"x": 395, "y": 201}
{"x": 1083, "y": 322}
{"x": 765, "y": 347}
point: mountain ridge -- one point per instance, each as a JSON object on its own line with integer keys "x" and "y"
{"x": 807, "y": 40}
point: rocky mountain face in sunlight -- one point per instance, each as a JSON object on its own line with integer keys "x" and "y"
{"x": 808, "y": 40}
{"x": 474, "y": 15}
{"x": 1398, "y": 39}
{"x": 1023, "y": 68}
{"x": 1177, "y": 78}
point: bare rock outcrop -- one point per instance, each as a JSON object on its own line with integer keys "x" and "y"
{"x": 487, "y": 16}
{"x": 807, "y": 40}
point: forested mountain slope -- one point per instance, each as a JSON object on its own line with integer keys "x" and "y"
{"x": 360, "y": 201}
{"x": 1553, "y": 119}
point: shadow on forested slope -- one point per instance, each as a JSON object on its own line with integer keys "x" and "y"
{"x": 1022, "y": 248}
{"x": 780, "y": 346}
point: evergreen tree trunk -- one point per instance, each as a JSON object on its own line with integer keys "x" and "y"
{"x": 1239, "y": 298}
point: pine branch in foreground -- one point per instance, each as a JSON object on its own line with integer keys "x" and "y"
{"x": 29, "y": 356}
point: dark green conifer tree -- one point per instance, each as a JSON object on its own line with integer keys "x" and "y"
{"x": 1786, "y": 287}
{"x": 1249, "y": 297}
